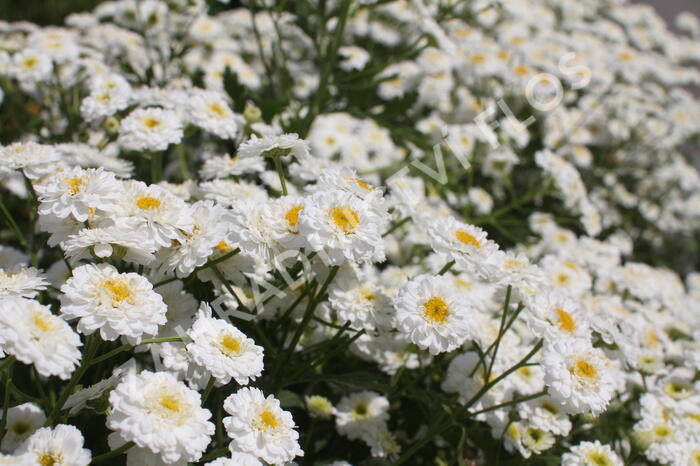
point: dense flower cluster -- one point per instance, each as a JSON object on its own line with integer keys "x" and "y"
{"x": 318, "y": 232}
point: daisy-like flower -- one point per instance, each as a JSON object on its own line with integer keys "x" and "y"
{"x": 62, "y": 445}
{"x": 432, "y": 314}
{"x": 116, "y": 304}
{"x": 363, "y": 304}
{"x": 21, "y": 281}
{"x": 36, "y": 160}
{"x": 259, "y": 426}
{"x": 591, "y": 454}
{"x": 160, "y": 414}
{"x": 150, "y": 129}
{"x": 579, "y": 376}
{"x": 224, "y": 350}
{"x": 361, "y": 414}
{"x": 465, "y": 244}
{"x": 31, "y": 333}
{"x": 80, "y": 193}
{"x": 283, "y": 145}
{"x": 153, "y": 210}
{"x": 108, "y": 94}
{"x": 553, "y": 315}
{"x": 31, "y": 65}
{"x": 210, "y": 111}
{"x": 237, "y": 459}
{"x": 22, "y": 421}
{"x": 224, "y": 166}
{"x": 319, "y": 406}
{"x": 114, "y": 242}
{"x": 210, "y": 224}
{"x": 343, "y": 226}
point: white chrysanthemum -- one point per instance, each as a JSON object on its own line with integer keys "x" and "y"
{"x": 33, "y": 335}
{"x": 80, "y": 193}
{"x": 31, "y": 65}
{"x": 363, "y": 304}
{"x": 224, "y": 166}
{"x": 87, "y": 156}
{"x": 210, "y": 224}
{"x": 224, "y": 350}
{"x": 259, "y": 426}
{"x": 108, "y": 94}
{"x": 237, "y": 459}
{"x": 228, "y": 192}
{"x": 361, "y": 414}
{"x": 432, "y": 314}
{"x": 22, "y": 421}
{"x": 319, "y": 406}
{"x": 21, "y": 281}
{"x": 343, "y": 226}
{"x": 545, "y": 414}
{"x": 150, "y": 129}
{"x": 591, "y": 454}
{"x": 578, "y": 376}
{"x": 62, "y": 445}
{"x": 466, "y": 377}
{"x": 552, "y": 316}
{"x": 36, "y": 160}
{"x": 210, "y": 111}
{"x": 109, "y": 242}
{"x": 161, "y": 216}
{"x": 285, "y": 144}
{"x": 158, "y": 413}
{"x": 465, "y": 244}
{"x": 116, "y": 304}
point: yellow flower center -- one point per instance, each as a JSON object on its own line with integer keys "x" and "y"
{"x": 147, "y": 202}
{"x": 170, "y": 403}
{"x": 436, "y": 310}
{"x": 479, "y": 58}
{"x": 562, "y": 279}
{"x": 151, "y": 122}
{"x": 467, "y": 238}
{"x": 223, "y": 246}
{"x": 361, "y": 410}
{"x": 292, "y": 215}
{"x": 662, "y": 431}
{"x": 74, "y": 185}
{"x": 583, "y": 368}
{"x": 218, "y": 109}
{"x": 50, "y": 459}
{"x": 118, "y": 289}
{"x": 42, "y": 322}
{"x": 566, "y": 322}
{"x": 268, "y": 420}
{"x": 345, "y": 218}
{"x": 521, "y": 70}
{"x": 362, "y": 184}
{"x": 599, "y": 458}
{"x": 230, "y": 345}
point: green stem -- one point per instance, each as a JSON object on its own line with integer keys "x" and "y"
{"x": 156, "y": 166}
{"x": 182, "y": 157}
{"x": 280, "y": 173}
{"x": 207, "y": 391}
{"x": 129, "y": 347}
{"x": 213, "y": 455}
{"x": 6, "y": 399}
{"x": 501, "y": 332}
{"x": 396, "y": 226}
{"x": 446, "y": 267}
{"x": 509, "y": 403}
{"x": 13, "y": 224}
{"x": 113, "y": 454}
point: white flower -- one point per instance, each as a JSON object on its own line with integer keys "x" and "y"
{"x": 150, "y": 129}
{"x": 108, "y": 94}
{"x": 591, "y": 454}
{"x": 158, "y": 413}
{"x": 31, "y": 65}
{"x": 259, "y": 426}
{"x": 578, "y": 376}
{"x": 210, "y": 111}
{"x": 552, "y": 316}
{"x": 224, "y": 166}
{"x": 33, "y": 335}
{"x": 465, "y": 244}
{"x": 343, "y": 226}
{"x": 62, "y": 445}
{"x": 20, "y": 281}
{"x": 224, "y": 350}
{"x": 432, "y": 314}
{"x": 116, "y": 304}
{"x": 35, "y": 159}
{"x": 152, "y": 210}
{"x": 22, "y": 421}
{"x": 360, "y": 415}
{"x": 109, "y": 242}
{"x": 285, "y": 144}
{"x": 237, "y": 459}
{"x": 210, "y": 224}
{"x": 354, "y": 58}
{"x": 80, "y": 193}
